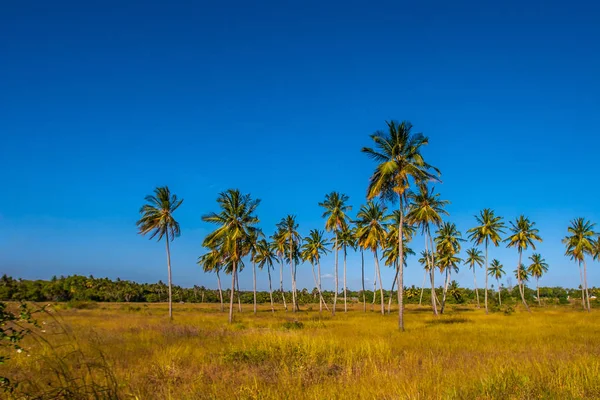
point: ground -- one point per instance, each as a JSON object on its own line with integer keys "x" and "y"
{"x": 134, "y": 351}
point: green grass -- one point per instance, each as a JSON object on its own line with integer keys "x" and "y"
{"x": 553, "y": 353}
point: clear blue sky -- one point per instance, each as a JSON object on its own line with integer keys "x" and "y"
{"x": 100, "y": 102}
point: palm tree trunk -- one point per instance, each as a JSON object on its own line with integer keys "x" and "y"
{"x": 380, "y": 282}
{"x": 392, "y": 292}
{"x": 232, "y": 292}
{"x": 400, "y": 267}
{"x": 499, "y": 292}
{"x": 582, "y": 287}
{"x": 281, "y": 282}
{"x": 345, "y": 288}
{"x": 537, "y": 285}
{"x": 293, "y": 276}
{"x": 475, "y": 282}
{"x": 587, "y": 293}
{"x": 254, "y": 279}
{"x": 220, "y": 290}
{"x": 445, "y": 291}
{"x": 321, "y": 299}
{"x": 486, "y": 274}
{"x": 237, "y": 282}
{"x": 169, "y": 267}
{"x": 431, "y": 270}
{"x": 336, "y": 274}
{"x": 270, "y": 289}
{"x": 521, "y": 283}
{"x": 422, "y": 288}
{"x": 362, "y": 263}
{"x": 374, "y": 288}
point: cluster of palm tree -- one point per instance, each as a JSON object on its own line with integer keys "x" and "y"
{"x": 402, "y": 179}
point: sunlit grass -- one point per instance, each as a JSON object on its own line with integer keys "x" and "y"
{"x": 551, "y": 353}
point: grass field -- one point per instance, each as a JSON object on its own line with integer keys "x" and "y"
{"x": 132, "y": 350}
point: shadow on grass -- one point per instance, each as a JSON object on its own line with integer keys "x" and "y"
{"x": 447, "y": 321}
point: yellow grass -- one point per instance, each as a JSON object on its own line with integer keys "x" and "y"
{"x": 553, "y": 353}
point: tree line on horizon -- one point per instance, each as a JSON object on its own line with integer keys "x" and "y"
{"x": 402, "y": 179}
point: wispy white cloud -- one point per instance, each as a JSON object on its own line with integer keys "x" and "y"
{"x": 327, "y": 276}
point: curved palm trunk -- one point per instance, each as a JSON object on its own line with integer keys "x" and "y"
{"x": 422, "y": 288}
{"x": 237, "y": 282}
{"x": 431, "y": 271}
{"x": 380, "y": 282}
{"x": 499, "y": 292}
{"x": 270, "y": 288}
{"x": 486, "y": 275}
{"x": 281, "y": 283}
{"x": 392, "y": 292}
{"x": 374, "y": 288}
{"x": 292, "y": 272}
{"x": 318, "y": 284}
{"x": 232, "y": 292}
{"x": 537, "y": 286}
{"x": 335, "y": 295}
{"x": 169, "y": 267}
{"x": 587, "y": 293}
{"x": 254, "y": 279}
{"x": 582, "y": 287}
{"x": 475, "y": 282}
{"x": 445, "y": 290}
{"x": 521, "y": 283}
{"x": 401, "y": 267}
{"x": 362, "y": 263}
{"x": 345, "y": 288}
{"x": 220, "y": 291}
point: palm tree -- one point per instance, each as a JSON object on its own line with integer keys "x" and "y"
{"x": 278, "y": 247}
{"x": 289, "y": 234}
{"x": 235, "y": 221}
{"x": 425, "y": 210}
{"x": 371, "y": 235}
{"x": 522, "y": 236}
{"x": 314, "y": 247}
{"x": 346, "y": 239}
{"x": 213, "y": 262}
{"x": 474, "y": 258}
{"x": 252, "y": 243}
{"x": 489, "y": 229}
{"x": 447, "y": 247}
{"x": 496, "y": 271}
{"x": 426, "y": 264}
{"x": 398, "y": 154}
{"x": 537, "y": 268}
{"x": 579, "y": 243}
{"x": 355, "y": 232}
{"x": 522, "y": 276}
{"x": 157, "y": 217}
{"x": 337, "y": 221}
{"x": 266, "y": 257}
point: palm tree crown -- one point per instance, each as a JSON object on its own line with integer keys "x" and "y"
{"x": 581, "y": 239}
{"x": 489, "y": 229}
{"x": 157, "y": 214}
{"x": 496, "y": 269}
{"x": 538, "y": 266}
{"x": 314, "y": 246}
{"x": 523, "y": 234}
{"x": 371, "y": 226}
{"x": 474, "y": 257}
{"x": 335, "y": 211}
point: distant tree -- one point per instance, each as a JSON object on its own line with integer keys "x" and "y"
{"x": 496, "y": 271}
{"x": 523, "y": 234}
{"x": 157, "y": 219}
{"x": 474, "y": 259}
{"x": 314, "y": 247}
{"x": 236, "y": 221}
{"x": 278, "y": 247}
{"x": 346, "y": 239}
{"x": 336, "y": 221}
{"x": 266, "y": 257}
{"x": 489, "y": 229}
{"x": 399, "y": 160}
{"x": 580, "y": 242}
{"x": 288, "y": 228}
{"x": 213, "y": 262}
{"x": 447, "y": 247}
{"x": 537, "y": 268}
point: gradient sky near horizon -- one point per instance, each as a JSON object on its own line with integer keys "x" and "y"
{"x": 100, "y": 102}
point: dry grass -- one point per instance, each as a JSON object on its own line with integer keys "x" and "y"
{"x": 553, "y": 353}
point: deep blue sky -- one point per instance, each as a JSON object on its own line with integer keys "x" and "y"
{"x": 100, "y": 102}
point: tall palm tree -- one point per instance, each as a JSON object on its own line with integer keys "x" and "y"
{"x": 580, "y": 242}
{"x": 266, "y": 257}
{"x": 157, "y": 218}
{"x": 355, "y": 232}
{"x": 336, "y": 216}
{"x": 213, "y": 262}
{"x": 235, "y": 221}
{"x": 488, "y": 230}
{"x": 346, "y": 239}
{"x": 252, "y": 243}
{"x": 537, "y": 268}
{"x": 371, "y": 235}
{"x": 496, "y": 270}
{"x": 522, "y": 236}
{"x": 474, "y": 258}
{"x": 398, "y": 154}
{"x": 390, "y": 246}
{"x": 427, "y": 265}
{"x": 314, "y": 247}
{"x": 289, "y": 234}
{"x": 426, "y": 210}
{"x": 278, "y": 247}
{"x": 447, "y": 247}
{"x": 522, "y": 276}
